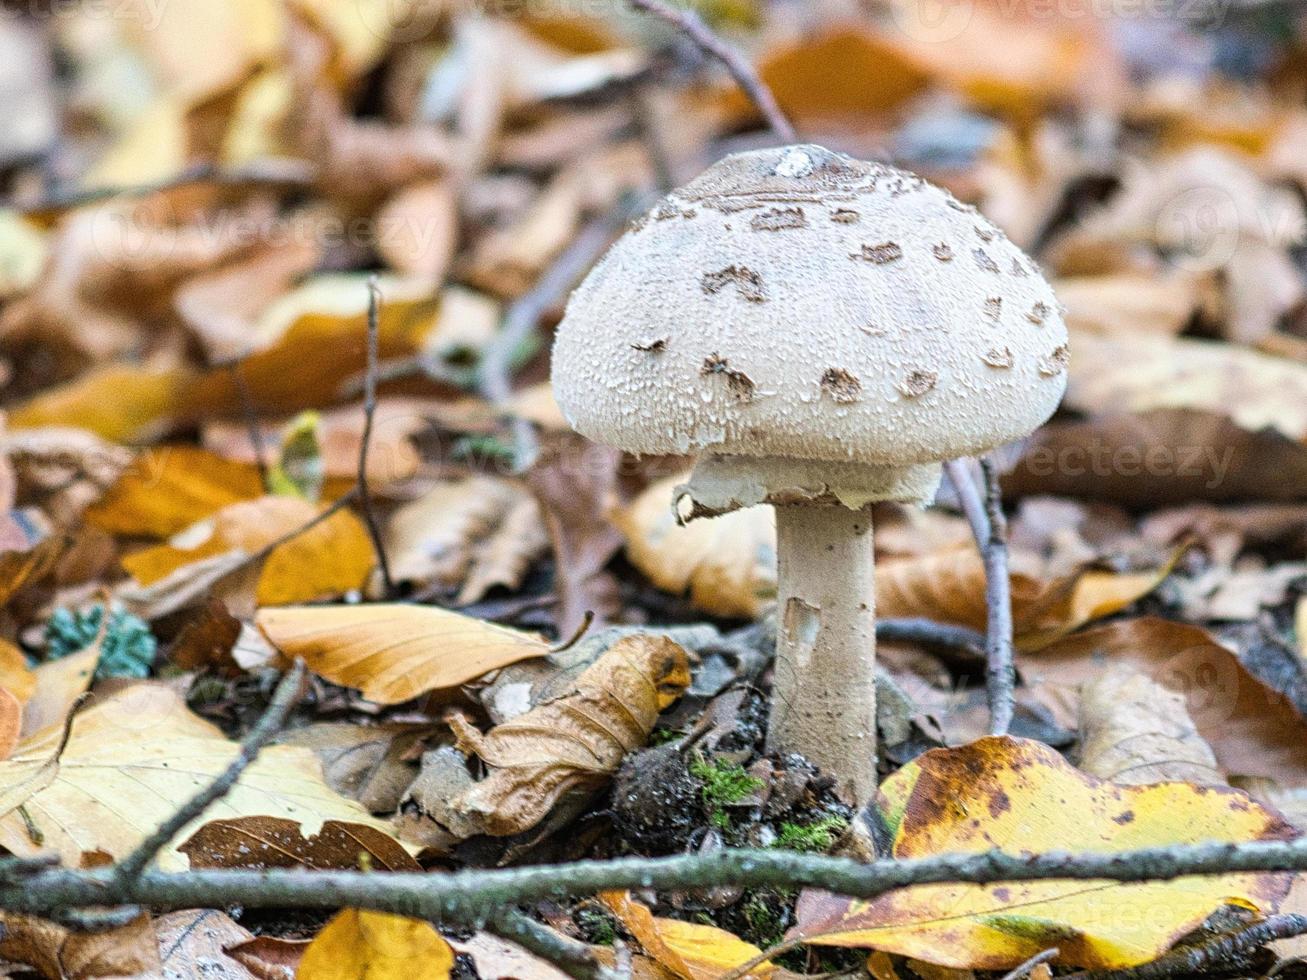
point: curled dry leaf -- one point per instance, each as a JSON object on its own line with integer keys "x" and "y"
{"x": 471, "y": 534}
{"x": 393, "y": 652}
{"x": 377, "y": 945}
{"x": 1020, "y": 795}
{"x": 688, "y": 949}
{"x": 329, "y": 559}
{"x": 127, "y": 762}
{"x": 53, "y": 950}
{"x": 727, "y": 564}
{"x": 1134, "y": 731}
{"x": 573, "y": 742}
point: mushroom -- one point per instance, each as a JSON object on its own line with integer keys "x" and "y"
{"x": 822, "y": 332}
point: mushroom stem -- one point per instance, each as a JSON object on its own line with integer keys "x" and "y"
{"x": 824, "y": 680}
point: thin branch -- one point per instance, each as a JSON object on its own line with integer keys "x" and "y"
{"x": 1022, "y": 971}
{"x": 477, "y": 895}
{"x": 251, "y": 419}
{"x": 369, "y": 412}
{"x": 573, "y": 958}
{"x": 930, "y": 633}
{"x": 689, "y": 23}
{"x": 989, "y": 528}
{"x": 1211, "y": 955}
{"x": 524, "y": 316}
{"x": 286, "y": 696}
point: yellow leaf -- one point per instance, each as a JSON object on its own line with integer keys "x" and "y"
{"x": 376, "y": 945}
{"x": 129, "y": 761}
{"x": 15, "y": 676}
{"x": 727, "y": 563}
{"x": 393, "y": 652}
{"x": 169, "y": 488}
{"x": 121, "y": 402}
{"x": 329, "y": 559}
{"x": 690, "y": 950}
{"x": 1019, "y": 795}
{"x": 11, "y": 720}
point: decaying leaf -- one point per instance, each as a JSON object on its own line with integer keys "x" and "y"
{"x": 395, "y": 652}
{"x": 690, "y": 950}
{"x": 276, "y": 842}
{"x": 1134, "y": 731}
{"x": 573, "y": 742}
{"x": 359, "y": 943}
{"x": 59, "y": 952}
{"x": 128, "y": 760}
{"x": 1019, "y": 795}
{"x": 727, "y": 564}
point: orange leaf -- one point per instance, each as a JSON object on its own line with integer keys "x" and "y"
{"x": 121, "y": 402}
{"x": 395, "y": 652}
{"x": 170, "y": 488}
{"x": 377, "y": 945}
{"x": 11, "y": 722}
{"x": 690, "y": 950}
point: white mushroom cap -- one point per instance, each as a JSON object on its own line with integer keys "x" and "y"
{"x": 794, "y": 303}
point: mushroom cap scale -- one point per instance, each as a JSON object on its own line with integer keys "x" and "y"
{"x": 793, "y": 302}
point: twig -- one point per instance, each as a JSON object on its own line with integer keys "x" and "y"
{"x": 989, "y": 528}
{"x": 931, "y": 633}
{"x": 573, "y": 958}
{"x": 286, "y": 696}
{"x": 477, "y": 895}
{"x": 251, "y": 418}
{"x": 369, "y": 412}
{"x": 689, "y": 23}
{"x": 1022, "y": 971}
{"x": 770, "y": 953}
{"x": 1215, "y": 953}
{"x": 525, "y": 314}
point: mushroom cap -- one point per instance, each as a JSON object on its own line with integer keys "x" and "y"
{"x": 794, "y": 302}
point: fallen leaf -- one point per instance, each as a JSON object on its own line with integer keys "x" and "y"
{"x": 169, "y": 488}
{"x": 270, "y": 958}
{"x": 417, "y": 230}
{"x": 30, "y": 565}
{"x": 1129, "y": 304}
{"x": 329, "y": 559}
{"x": 471, "y": 535}
{"x": 1019, "y": 795}
{"x": 726, "y": 564}
{"x": 690, "y": 950}
{"x": 121, "y": 402}
{"x": 276, "y": 842}
{"x": 573, "y": 742}
{"x": 360, "y": 943}
{"x": 128, "y": 760}
{"x": 394, "y": 652}
{"x": 11, "y": 722}
{"x": 15, "y": 676}
{"x": 373, "y": 764}
{"x": 56, "y": 951}
{"x": 498, "y": 959}
{"x": 59, "y": 683}
{"x": 194, "y": 942}
{"x": 1133, "y": 731}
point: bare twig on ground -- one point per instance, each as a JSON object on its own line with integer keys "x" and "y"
{"x": 524, "y": 316}
{"x": 1211, "y": 955}
{"x": 286, "y": 696}
{"x": 573, "y": 958}
{"x": 251, "y": 419}
{"x": 369, "y": 413}
{"x": 477, "y": 895}
{"x": 689, "y": 23}
{"x": 989, "y": 528}
{"x": 930, "y": 633}
{"x": 1022, "y": 971}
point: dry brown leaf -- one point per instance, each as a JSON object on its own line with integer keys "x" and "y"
{"x": 194, "y": 942}
{"x": 329, "y": 559}
{"x": 377, "y": 945}
{"x": 128, "y": 759}
{"x": 690, "y": 950}
{"x": 498, "y": 959}
{"x": 508, "y": 260}
{"x": 1129, "y": 304}
{"x": 62, "y": 953}
{"x": 393, "y": 652}
{"x": 726, "y": 564}
{"x": 1253, "y": 730}
{"x": 169, "y": 488}
{"x": 573, "y": 742}
{"x": 276, "y": 842}
{"x": 471, "y": 535}
{"x": 11, "y": 722}
{"x": 1134, "y": 731}
{"x": 29, "y": 565}
{"x": 269, "y": 958}
{"x": 417, "y": 230}
{"x": 373, "y": 764}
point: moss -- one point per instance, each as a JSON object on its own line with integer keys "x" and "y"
{"x": 815, "y": 837}
{"x": 722, "y": 784}
{"x": 127, "y": 651}
{"x": 764, "y": 913}
{"x": 597, "y": 926}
